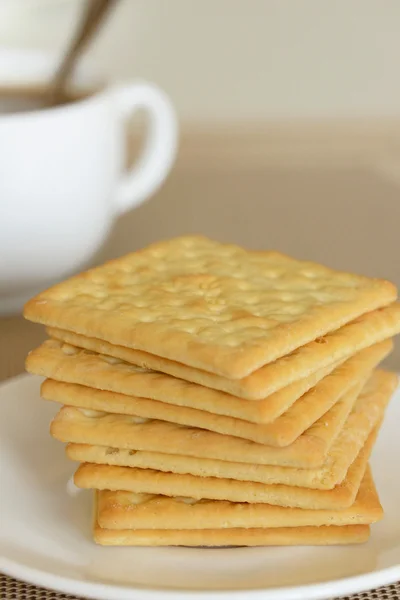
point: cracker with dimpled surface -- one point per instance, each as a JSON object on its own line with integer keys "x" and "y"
{"x": 105, "y": 477}
{"x": 281, "y": 432}
{"x": 283, "y": 375}
{"x": 125, "y": 510}
{"x": 71, "y": 365}
{"x": 212, "y": 306}
{"x": 68, "y": 364}
{"x": 367, "y": 412}
{"x": 83, "y": 426}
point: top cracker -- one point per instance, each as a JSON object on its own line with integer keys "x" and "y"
{"x": 212, "y": 306}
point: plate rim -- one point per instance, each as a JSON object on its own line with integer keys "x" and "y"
{"x": 103, "y": 591}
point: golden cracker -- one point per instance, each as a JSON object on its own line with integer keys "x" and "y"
{"x": 289, "y": 536}
{"x": 281, "y": 432}
{"x": 105, "y": 477}
{"x": 212, "y": 306}
{"x": 83, "y": 426}
{"x": 296, "y": 367}
{"x": 367, "y": 412}
{"x": 72, "y": 365}
{"x": 68, "y": 364}
{"x": 125, "y": 510}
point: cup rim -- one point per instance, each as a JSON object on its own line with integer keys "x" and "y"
{"x": 47, "y": 62}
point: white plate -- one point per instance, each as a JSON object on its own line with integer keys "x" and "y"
{"x": 45, "y": 534}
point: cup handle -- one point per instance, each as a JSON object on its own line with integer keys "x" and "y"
{"x": 160, "y": 145}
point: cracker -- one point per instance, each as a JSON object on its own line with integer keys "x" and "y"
{"x": 125, "y": 510}
{"x": 136, "y": 433}
{"x": 69, "y": 364}
{"x": 286, "y": 536}
{"x": 105, "y": 477}
{"x": 367, "y": 412}
{"x": 281, "y": 432}
{"x": 299, "y": 365}
{"x": 212, "y": 306}
{"x": 83, "y": 426}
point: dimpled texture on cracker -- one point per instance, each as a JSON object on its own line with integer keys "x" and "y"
{"x": 212, "y": 306}
{"x": 125, "y": 510}
{"x": 67, "y": 363}
{"x": 300, "y": 364}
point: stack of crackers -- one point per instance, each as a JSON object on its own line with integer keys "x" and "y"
{"x": 215, "y": 396}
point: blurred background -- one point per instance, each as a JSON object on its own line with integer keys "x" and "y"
{"x": 289, "y": 119}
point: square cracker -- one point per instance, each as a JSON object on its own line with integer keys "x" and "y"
{"x": 281, "y": 432}
{"x": 105, "y": 477}
{"x": 321, "y": 353}
{"x": 83, "y": 426}
{"x": 212, "y": 306}
{"x": 368, "y": 411}
{"x": 286, "y": 536}
{"x": 71, "y": 365}
{"x": 125, "y": 510}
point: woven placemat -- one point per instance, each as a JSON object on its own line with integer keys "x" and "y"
{"x": 11, "y": 589}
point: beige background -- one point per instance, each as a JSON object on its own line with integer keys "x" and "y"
{"x": 230, "y": 60}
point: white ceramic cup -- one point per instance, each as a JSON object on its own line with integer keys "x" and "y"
{"x": 62, "y": 179}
